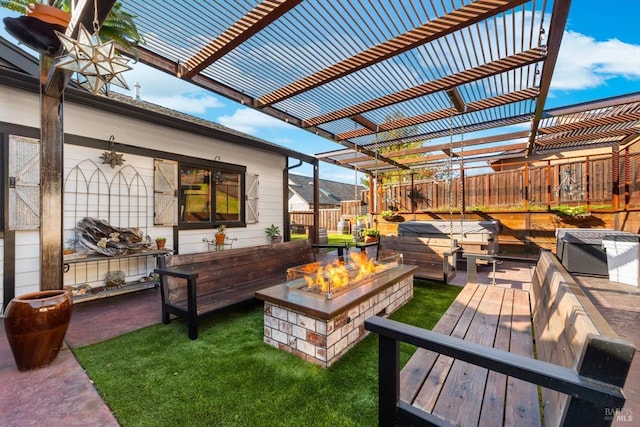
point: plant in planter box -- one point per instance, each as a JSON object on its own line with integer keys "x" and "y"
{"x": 388, "y": 214}
{"x": 161, "y": 242}
{"x": 273, "y": 233}
{"x": 370, "y": 235}
{"x": 220, "y": 234}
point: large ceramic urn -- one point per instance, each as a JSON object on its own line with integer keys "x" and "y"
{"x": 35, "y": 325}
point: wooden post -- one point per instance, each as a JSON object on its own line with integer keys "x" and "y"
{"x": 587, "y": 166}
{"x": 52, "y": 84}
{"x": 615, "y": 153}
{"x": 627, "y": 178}
{"x": 526, "y": 186}
{"x": 316, "y": 203}
{"x": 548, "y": 185}
{"x": 51, "y": 185}
{"x": 463, "y": 199}
{"x": 372, "y": 201}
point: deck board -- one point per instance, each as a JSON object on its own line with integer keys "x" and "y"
{"x": 491, "y": 316}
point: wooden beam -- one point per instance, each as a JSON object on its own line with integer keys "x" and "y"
{"x": 467, "y": 153}
{"x": 364, "y": 122}
{"x": 456, "y": 99}
{"x": 601, "y": 120}
{"x": 466, "y": 143}
{"x": 584, "y": 137}
{"x": 498, "y": 66}
{"x": 483, "y": 104}
{"x": 246, "y": 27}
{"x": 439, "y": 27}
{"x": 556, "y": 30}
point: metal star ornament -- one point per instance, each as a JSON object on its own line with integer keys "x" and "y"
{"x": 95, "y": 61}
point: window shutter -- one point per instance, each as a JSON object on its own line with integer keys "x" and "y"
{"x": 24, "y": 183}
{"x": 251, "y": 183}
{"x": 165, "y": 191}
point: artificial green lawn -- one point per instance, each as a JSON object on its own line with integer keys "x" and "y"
{"x": 228, "y": 377}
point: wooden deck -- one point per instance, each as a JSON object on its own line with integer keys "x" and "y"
{"x": 619, "y": 304}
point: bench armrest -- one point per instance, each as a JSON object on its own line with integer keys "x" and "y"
{"x": 535, "y": 371}
{"x": 452, "y": 252}
{"x": 176, "y": 272}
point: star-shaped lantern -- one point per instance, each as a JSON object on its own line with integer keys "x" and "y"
{"x": 95, "y": 61}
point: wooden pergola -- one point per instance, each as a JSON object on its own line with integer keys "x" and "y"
{"x": 362, "y": 73}
{"x": 368, "y": 74}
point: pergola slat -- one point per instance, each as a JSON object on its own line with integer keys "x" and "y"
{"x": 500, "y": 66}
{"x": 257, "y": 19}
{"x": 439, "y": 27}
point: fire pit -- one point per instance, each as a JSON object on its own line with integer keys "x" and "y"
{"x": 318, "y": 315}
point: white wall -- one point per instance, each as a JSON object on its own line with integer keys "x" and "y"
{"x": 297, "y": 203}
{"x": 21, "y": 107}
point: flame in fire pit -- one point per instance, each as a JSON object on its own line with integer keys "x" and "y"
{"x": 336, "y": 277}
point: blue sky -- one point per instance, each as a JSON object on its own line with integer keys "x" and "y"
{"x": 599, "y": 58}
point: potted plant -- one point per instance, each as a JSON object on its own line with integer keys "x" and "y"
{"x": 36, "y": 29}
{"x": 221, "y": 235}
{"x": 161, "y": 242}
{"x": 273, "y": 233}
{"x": 388, "y": 214}
{"x": 370, "y": 235}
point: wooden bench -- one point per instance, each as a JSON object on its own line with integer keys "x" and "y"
{"x": 477, "y": 366}
{"x": 435, "y": 258}
{"x": 195, "y": 285}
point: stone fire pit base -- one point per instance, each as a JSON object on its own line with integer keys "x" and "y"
{"x": 323, "y": 336}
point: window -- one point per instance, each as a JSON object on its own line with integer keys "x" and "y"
{"x": 211, "y": 195}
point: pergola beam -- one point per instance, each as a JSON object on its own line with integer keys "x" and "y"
{"x": 467, "y": 155}
{"x": 595, "y": 122}
{"x": 246, "y": 27}
{"x": 556, "y": 30}
{"x": 456, "y": 99}
{"x": 483, "y": 104}
{"x": 439, "y": 27}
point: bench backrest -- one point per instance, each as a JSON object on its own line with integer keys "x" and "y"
{"x": 226, "y": 268}
{"x": 421, "y": 248}
{"x": 569, "y": 331}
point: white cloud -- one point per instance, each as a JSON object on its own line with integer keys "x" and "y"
{"x": 585, "y": 63}
{"x": 169, "y": 91}
{"x": 251, "y": 121}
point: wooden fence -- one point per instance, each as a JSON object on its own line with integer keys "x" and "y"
{"x": 329, "y": 218}
{"x": 604, "y": 181}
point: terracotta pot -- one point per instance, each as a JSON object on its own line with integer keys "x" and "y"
{"x": 160, "y": 244}
{"x": 35, "y": 325}
{"x": 49, "y": 14}
{"x": 370, "y": 239}
{"x": 220, "y": 238}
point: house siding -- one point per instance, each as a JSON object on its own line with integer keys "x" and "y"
{"x": 22, "y": 108}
